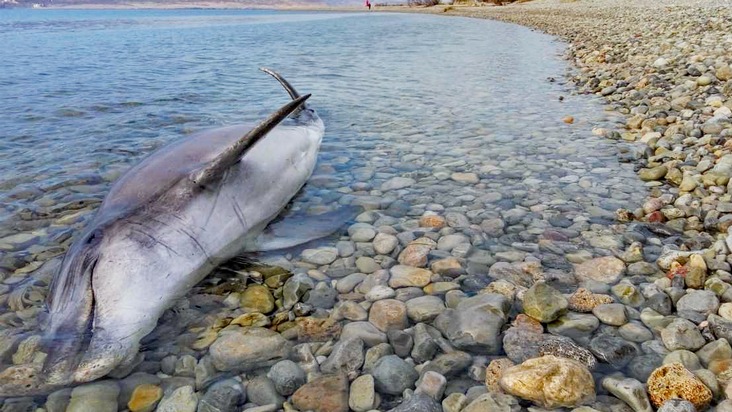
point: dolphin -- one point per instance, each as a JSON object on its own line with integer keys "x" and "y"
{"x": 164, "y": 225}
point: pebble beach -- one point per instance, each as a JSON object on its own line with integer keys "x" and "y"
{"x": 665, "y": 66}
{"x": 462, "y": 286}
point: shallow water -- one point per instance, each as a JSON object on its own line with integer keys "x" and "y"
{"x": 86, "y": 94}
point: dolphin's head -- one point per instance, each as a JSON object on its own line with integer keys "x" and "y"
{"x": 76, "y": 340}
{"x": 70, "y": 306}
{"x": 70, "y": 310}
{"x": 97, "y": 312}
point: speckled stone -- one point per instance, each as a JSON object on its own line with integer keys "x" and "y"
{"x": 584, "y": 301}
{"x": 674, "y": 381}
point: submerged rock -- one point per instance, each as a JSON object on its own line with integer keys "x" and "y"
{"x": 248, "y": 348}
{"x": 673, "y": 381}
{"x": 551, "y": 382}
{"x": 328, "y": 393}
{"x": 475, "y": 324}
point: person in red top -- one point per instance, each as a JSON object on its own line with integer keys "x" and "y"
{"x": 368, "y": 4}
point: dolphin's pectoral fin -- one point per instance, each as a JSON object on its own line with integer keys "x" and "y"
{"x": 216, "y": 169}
{"x": 296, "y": 230}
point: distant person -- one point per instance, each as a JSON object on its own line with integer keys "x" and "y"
{"x": 368, "y": 4}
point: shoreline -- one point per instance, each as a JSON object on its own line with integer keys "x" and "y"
{"x": 228, "y": 5}
{"x": 642, "y": 75}
{"x": 664, "y": 66}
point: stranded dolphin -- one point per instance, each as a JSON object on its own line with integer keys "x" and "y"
{"x": 162, "y": 228}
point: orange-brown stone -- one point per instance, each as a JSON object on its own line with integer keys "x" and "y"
{"x": 584, "y": 301}
{"x": 328, "y": 393}
{"x": 674, "y": 381}
{"x": 317, "y": 330}
{"x": 525, "y": 322}
{"x": 144, "y": 398}
{"x": 435, "y": 221}
{"x": 493, "y": 373}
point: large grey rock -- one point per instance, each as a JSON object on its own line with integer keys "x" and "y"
{"x": 366, "y": 331}
{"x": 449, "y": 364}
{"x": 222, "y": 396}
{"x": 613, "y": 350}
{"x": 424, "y": 308}
{"x": 347, "y": 356}
{"x": 521, "y": 344}
{"x": 183, "y": 399}
{"x": 393, "y": 375}
{"x": 244, "y": 349}
{"x": 261, "y": 390}
{"x": 287, "y": 376}
{"x": 682, "y": 334}
{"x": 630, "y": 391}
{"x": 94, "y": 397}
{"x": 476, "y": 322}
{"x": 697, "y": 305}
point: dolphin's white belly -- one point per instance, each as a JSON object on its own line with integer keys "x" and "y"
{"x": 211, "y": 229}
{"x": 256, "y": 190}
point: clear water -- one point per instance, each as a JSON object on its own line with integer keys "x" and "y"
{"x": 86, "y": 94}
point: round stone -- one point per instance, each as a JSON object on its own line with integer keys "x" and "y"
{"x": 613, "y": 314}
{"x": 550, "y": 381}
{"x": 424, "y": 308}
{"x": 544, "y": 303}
{"x": 673, "y": 381}
{"x": 257, "y": 298}
{"x": 607, "y": 269}
{"x": 393, "y": 375}
{"x": 389, "y": 314}
{"x": 385, "y": 243}
{"x": 362, "y": 396}
{"x": 144, "y": 398}
{"x": 682, "y": 334}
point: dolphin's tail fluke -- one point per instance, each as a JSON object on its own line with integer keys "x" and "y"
{"x": 299, "y": 112}
{"x": 290, "y": 90}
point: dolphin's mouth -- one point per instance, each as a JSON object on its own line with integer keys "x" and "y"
{"x": 63, "y": 345}
{"x": 63, "y": 356}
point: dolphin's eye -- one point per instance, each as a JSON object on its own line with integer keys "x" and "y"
{"x": 95, "y": 235}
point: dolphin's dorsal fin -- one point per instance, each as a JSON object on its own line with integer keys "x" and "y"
{"x": 217, "y": 167}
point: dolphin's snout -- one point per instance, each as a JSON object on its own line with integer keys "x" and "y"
{"x": 101, "y": 357}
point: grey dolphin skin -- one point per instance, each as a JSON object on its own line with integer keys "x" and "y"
{"x": 166, "y": 224}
